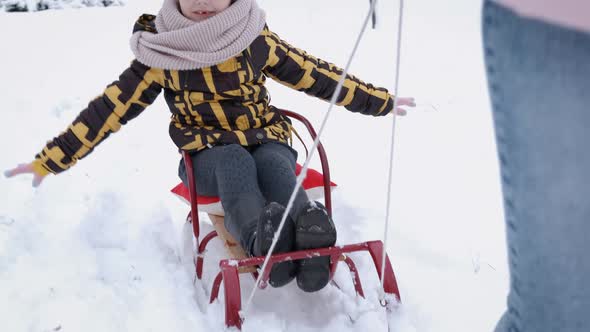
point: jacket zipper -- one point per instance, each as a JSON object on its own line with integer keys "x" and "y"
{"x": 184, "y": 78}
{"x": 251, "y": 64}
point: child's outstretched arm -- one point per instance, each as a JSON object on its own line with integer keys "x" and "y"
{"x": 298, "y": 70}
{"x": 137, "y": 87}
{"x": 26, "y": 169}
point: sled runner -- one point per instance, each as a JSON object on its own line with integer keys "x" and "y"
{"x": 240, "y": 262}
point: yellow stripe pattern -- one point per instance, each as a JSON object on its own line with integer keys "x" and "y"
{"x": 223, "y": 104}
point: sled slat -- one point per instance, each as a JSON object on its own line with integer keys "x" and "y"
{"x": 232, "y": 246}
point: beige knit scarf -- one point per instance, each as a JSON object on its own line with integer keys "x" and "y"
{"x": 182, "y": 44}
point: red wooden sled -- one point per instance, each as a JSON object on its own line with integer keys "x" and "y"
{"x": 240, "y": 263}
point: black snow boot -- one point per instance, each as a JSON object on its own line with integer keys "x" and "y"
{"x": 268, "y": 223}
{"x": 314, "y": 229}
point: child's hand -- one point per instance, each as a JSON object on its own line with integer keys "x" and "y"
{"x": 404, "y": 101}
{"x": 24, "y": 169}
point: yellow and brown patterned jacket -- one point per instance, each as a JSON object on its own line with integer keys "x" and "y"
{"x": 223, "y": 104}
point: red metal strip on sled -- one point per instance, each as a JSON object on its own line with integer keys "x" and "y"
{"x": 233, "y": 294}
{"x": 201, "y": 252}
{"x": 229, "y": 267}
{"x": 355, "y": 276}
{"x": 323, "y": 157}
{"x": 216, "y": 285}
{"x": 389, "y": 281}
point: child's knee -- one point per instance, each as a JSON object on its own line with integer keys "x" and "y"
{"x": 273, "y": 155}
{"x": 234, "y": 154}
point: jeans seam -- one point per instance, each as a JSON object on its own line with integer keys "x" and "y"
{"x": 495, "y": 91}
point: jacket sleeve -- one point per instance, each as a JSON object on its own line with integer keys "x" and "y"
{"x": 137, "y": 87}
{"x": 300, "y": 71}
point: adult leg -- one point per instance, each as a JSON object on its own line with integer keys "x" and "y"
{"x": 538, "y": 77}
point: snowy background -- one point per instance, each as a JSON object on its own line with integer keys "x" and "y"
{"x": 98, "y": 248}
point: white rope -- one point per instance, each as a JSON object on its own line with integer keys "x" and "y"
{"x": 374, "y": 15}
{"x": 303, "y": 173}
{"x": 391, "y": 152}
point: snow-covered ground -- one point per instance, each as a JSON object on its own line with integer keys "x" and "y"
{"x": 98, "y": 248}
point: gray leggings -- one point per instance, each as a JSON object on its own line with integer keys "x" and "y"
{"x": 246, "y": 179}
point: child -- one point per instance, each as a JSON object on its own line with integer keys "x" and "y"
{"x": 211, "y": 58}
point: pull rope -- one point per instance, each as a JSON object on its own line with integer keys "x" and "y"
{"x": 374, "y": 15}
{"x": 391, "y": 152}
{"x": 305, "y": 167}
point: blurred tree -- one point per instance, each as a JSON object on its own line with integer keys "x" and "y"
{"x": 36, "y": 5}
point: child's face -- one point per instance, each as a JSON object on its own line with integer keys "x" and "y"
{"x": 198, "y": 10}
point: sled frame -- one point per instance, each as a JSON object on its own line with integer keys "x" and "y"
{"x": 232, "y": 267}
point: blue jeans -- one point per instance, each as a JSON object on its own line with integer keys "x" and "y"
{"x": 539, "y": 82}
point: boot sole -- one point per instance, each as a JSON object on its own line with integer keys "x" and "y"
{"x": 313, "y": 233}
{"x": 281, "y": 273}
{"x": 284, "y": 272}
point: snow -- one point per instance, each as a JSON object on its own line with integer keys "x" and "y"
{"x": 100, "y": 247}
